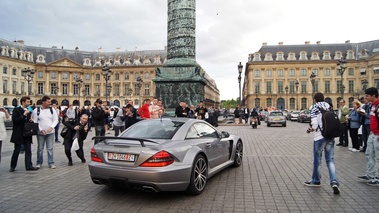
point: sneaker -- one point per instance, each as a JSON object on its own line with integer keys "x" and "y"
{"x": 57, "y": 141}
{"x": 70, "y": 163}
{"x": 84, "y": 160}
{"x": 351, "y": 148}
{"x": 38, "y": 166}
{"x": 364, "y": 179}
{"x": 310, "y": 183}
{"x": 52, "y": 166}
{"x": 373, "y": 183}
{"x": 335, "y": 188}
{"x": 355, "y": 150}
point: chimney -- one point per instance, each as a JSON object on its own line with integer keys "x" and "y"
{"x": 318, "y": 42}
{"x": 347, "y": 42}
{"x": 118, "y": 49}
{"x": 264, "y": 44}
{"x": 100, "y": 50}
{"x": 280, "y": 43}
{"x": 307, "y": 42}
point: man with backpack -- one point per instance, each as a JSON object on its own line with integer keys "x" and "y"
{"x": 321, "y": 124}
{"x": 372, "y": 150}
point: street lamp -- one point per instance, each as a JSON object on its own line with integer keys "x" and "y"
{"x": 341, "y": 67}
{"x": 364, "y": 85}
{"x": 297, "y": 93}
{"x": 256, "y": 95}
{"x": 139, "y": 85}
{"x": 312, "y": 77}
{"x": 79, "y": 82}
{"x": 286, "y": 88}
{"x": 28, "y": 75}
{"x": 107, "y": 74}
{"x": 239, "y": 80}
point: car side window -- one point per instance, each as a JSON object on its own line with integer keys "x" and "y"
{"x": 192, "y": 133}
{"x": 205, "y": 131}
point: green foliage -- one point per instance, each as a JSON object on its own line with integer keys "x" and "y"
{"x": 229, "y": 104}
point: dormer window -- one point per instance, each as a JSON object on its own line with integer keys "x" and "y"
{"x": 268, "y": 57}
{"x": 338, "y": 55}
{"x": 279, "y": 56}
{"x": 350, "y": 54}
{"x": 41, "y": 59}
{"x": 291, "y": 57}
{"x": 315, "y": 56}
{"x": 257, "y": 57}
{"x": 303, "y": 55}
{"x": 326, "y": 55}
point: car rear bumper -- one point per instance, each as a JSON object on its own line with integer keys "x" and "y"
{"x": 170, "y": 178}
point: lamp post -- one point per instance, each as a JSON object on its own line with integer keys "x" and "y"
{"x": 107, "y": 74}
{"x": 256, "y": 95}
{"x": 364, "y": 85}
{"x": 297, "y": 93}
{"x": 28, "y": 75}
{"x": 341, "y": 67}
{"x": 239, "y": 80}
{"x": 312, "y": 77}
{"x": 139, "y": 84}
{"x": 79, "y": 82}
{"x": 285, "y": 105}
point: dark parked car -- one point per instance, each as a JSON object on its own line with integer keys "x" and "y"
{"x": 9, "y": 124}
{"x": 304, "y": 116}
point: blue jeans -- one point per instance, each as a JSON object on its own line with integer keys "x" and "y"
{"x": 99, "y": 131}
{"x": 318, "y": 147}
{"x": 56, "y": 129}
{"x": 372, "y": 156}
{"x": 49, "y": 141}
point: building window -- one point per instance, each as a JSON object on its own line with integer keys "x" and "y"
{"x": 14, "y": 71}
{"x": 339, "y": 86}
{"x": 292, "y": 87}
{"x": 117, "y": 89}
{"x": 280, "y": 87}
{"x": 268, "y": 73}
{"x": 257, "y": 73}
{"x": 351, "y": 72}
{"x": 326, "y": 56}
{"x": 40, "y": 88}
{"x": 64, "y": 75}
{"x": 53, "y": 89}
{"x": 327, "y": 86}
{"x": 316, "y": 86}
{"x": 268, "y": 57}
{"x": 268, "y": 87}
{"x": 303, "y": 86}
{"x": 40, "y": 74}
{"x": 88, "y": 77}
{"x": 5, "y": 86}
{"x": 280, "y": 73}
{"x": 350, "y": 55}
{"x": 147, "y": 75}
{"x": 315, "y": 56}
{"x": 127, "y": 89}
{"x": 14, "y": 86}
{"x": 303, "y": 72}
{"x": 117, "y": 76}
{"x": 147, "y": 89}
{"x": 22, "y": 87}
{"x": 315, "y": 71}
{"x": 257, "y": 88}
{"x": 64, "y": 89}
{"x": 53, "y": 75}
{"x": 351, "y": 86}
{"x": 279, "y": 57}
{"x": 326, "y": 72}
{"x": 291, "y": 56}
{"x": 75, "y": 75}
{"x": 126, "y": 76}
{"x": 303, "y": 103}
{"x": 97, "y": 77}
{"x": 5, "y": 70}
{"x": 257, "y": 102}
{"x": 303, "y": 56}
{"x": 292, "y": 103}
{"x": 376, "y": 83}
{"x": 76, "y": 89}
{"x": 292, "y": 72}
{"x": 97, "y": 89}
{"x": 86, "y": 90}
{"x": 136, "y": 75}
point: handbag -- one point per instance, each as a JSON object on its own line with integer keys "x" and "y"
{"x": 30, "y": 129}
{"x": 64, "y": 131}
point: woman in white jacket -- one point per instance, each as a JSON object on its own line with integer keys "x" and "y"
{"x": 4, "y": 116}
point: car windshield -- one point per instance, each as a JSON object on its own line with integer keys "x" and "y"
{"x": 295, "y": 112}
{"x": 276, "y": 114}
{"x": 153, "y": 129}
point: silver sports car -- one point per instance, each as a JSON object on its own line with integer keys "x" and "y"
{"x": 168, "y": 154}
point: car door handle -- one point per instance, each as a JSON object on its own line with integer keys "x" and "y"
{"x": 208, "y": 145}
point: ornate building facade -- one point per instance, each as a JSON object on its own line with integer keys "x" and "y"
{"x": 76, "y": 77}
{"x": 279, "y": 75}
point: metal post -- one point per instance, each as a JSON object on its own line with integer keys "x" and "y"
{"x": 341, "y": 66}
{"x": 285, "y": 103}
{"x": 297, "y": 93}
{"x": 28, "y": 75}
{"x": 312, "y": 77}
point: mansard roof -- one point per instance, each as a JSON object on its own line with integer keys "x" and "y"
{"x": 372, "y": 47}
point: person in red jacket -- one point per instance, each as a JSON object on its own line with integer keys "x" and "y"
{"x": 372, "y": 153}
{"x": 144, "y": 110}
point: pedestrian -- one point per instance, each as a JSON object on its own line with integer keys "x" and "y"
{"x": 4, "y": 116}
{"x": 77, "y": 129}
{"x": 237, "y": 115}
{"x": 143, "y": 111}
{"x": 246, "y": 113}
{"x": 130, "y": 115}
{"x": 321, "y": 144}
{"x": 372, "y": 150}
{"x": 342, "y": 112}
{"x": 191, "y": 111}
{"x": 20, "y": 116}
{"x": 353, "y": 118}
{"x": 119, "y": 121}
{"x": 47, "y": 119}
{"x": 366, "y": 125}
{"x": 201, "y": 111}
{"x": 98, "y": 116}
{"x": 71, "y": 112}
{"x": 56, "y": 128}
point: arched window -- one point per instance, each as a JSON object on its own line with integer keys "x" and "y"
{"x": 304, "y": 103}
{"x": 292, "y": 103}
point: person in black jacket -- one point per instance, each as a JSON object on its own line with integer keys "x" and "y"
{"x": 20, "y": 116}
{"x": 98, "y": 116}
{"x": 77, "y": 128}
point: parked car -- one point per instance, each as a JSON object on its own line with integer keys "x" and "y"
{"x": 304, "y": 116}
{"x": 285, "y": 113}
{"x": 276, "y": 118}
{"x": 167, "y": 154}
{"x": 262, "y": 115}
{"x": 9, "y": 124}
{"x": 294, "y": 115}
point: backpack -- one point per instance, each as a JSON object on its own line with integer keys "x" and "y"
{"x": 331, "y": 126}
{"x": 39, "y": 110}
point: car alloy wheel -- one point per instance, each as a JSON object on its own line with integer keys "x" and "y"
{"x": 238, "y": 154}
{"x": 199, "y": 176}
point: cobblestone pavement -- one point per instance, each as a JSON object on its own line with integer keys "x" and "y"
{"x": 276, "y": 162}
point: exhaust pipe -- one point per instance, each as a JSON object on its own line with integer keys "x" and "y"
{"x": 149, "y": 189}
{"x": 96, "y": 181}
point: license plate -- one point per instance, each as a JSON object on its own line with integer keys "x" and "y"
{"x": 121, "y": 157}
{"x": 276, "y": 119}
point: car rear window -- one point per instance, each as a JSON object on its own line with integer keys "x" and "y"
{"x": 153, "y": 129}
{"x": 276, "y": 114}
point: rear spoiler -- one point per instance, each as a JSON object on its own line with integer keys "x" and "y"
{"x": 141, "y": 140}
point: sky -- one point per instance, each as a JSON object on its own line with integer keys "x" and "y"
{"x": 227, "y": 31}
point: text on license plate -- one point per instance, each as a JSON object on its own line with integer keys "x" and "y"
{"x": 276, "y": 119}
{"x": 121, "y": 157}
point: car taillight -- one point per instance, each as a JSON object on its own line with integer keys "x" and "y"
{"x": 160, "y": 159}
{"x": 94, "y": 156}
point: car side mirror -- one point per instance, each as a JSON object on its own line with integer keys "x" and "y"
{"x": 225, "y": 134}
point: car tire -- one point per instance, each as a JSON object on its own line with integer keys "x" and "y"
{"x": 285, "y": 124}
{"x": 268, "y": 125}
{"x": 199, "y": 176}
{"x": 238, "y": 154}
